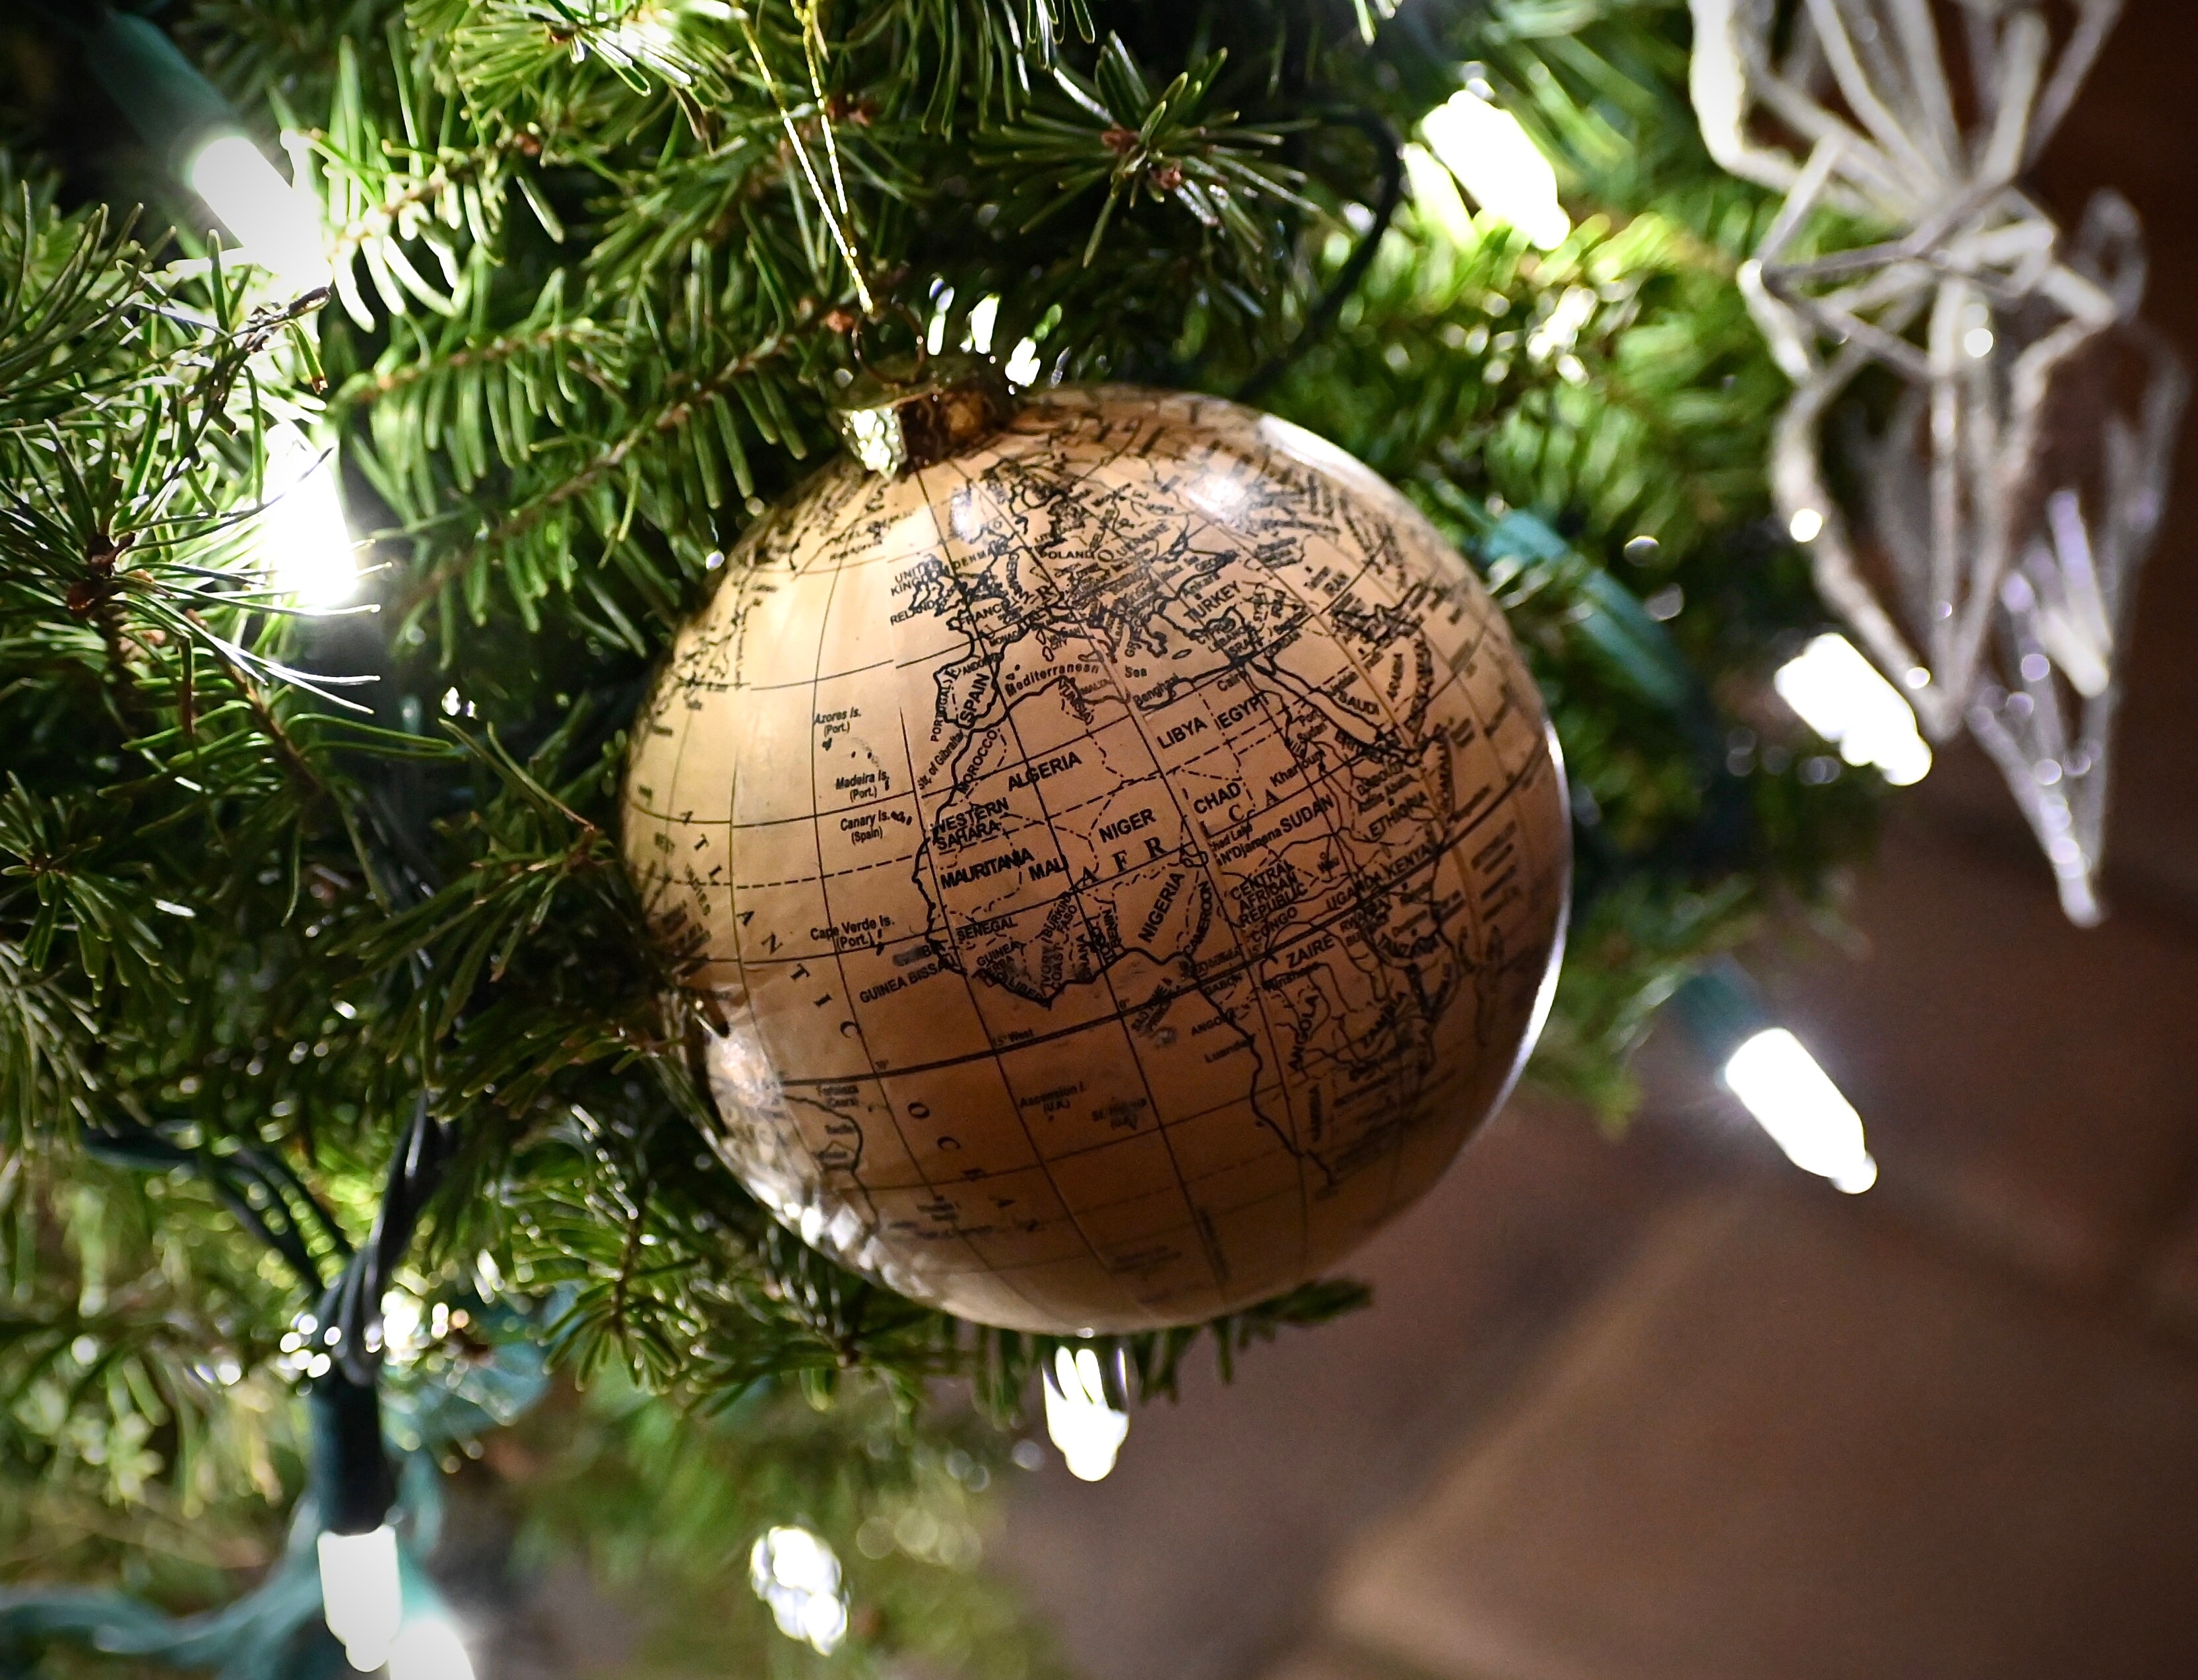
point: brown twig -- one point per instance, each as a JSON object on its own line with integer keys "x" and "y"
{"x": 497, "y": 350}
{"x": 670, "y": 420}
{"x": 294, "y": 760}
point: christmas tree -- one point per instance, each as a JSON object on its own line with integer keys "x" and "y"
{"x": 345, "y": 506}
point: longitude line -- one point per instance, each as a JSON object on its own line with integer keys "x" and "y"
{"x": 1249, "y": 960}
{"x": 1038, "y": 789}
{"x": 1188, "y": 827}
{"x": 1438, "y": 816}
{"x": 945, "y": 913}
{"x": 824, "y": 892}
{"x": 969, "y": 991}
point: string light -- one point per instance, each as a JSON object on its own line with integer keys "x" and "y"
{"x": 1023, "y": 366}
{"x": 1795, "y": 1100}
{"x": 797, "y": 1574}
{"x": 1776, "y": 1079}
{"x": 185, "y": 118}
{"x": 430, "y": 1647}
{"x": 1496, "y": 161}
{"x": 1082, "y": 1421}
{"x": 361, "y": 1593}
{"x": 304, "y": 547}
{"x": 1435, "y": 195}
{"x": 934, "y": 335}
{"x": 277, "y": 224}
{"x": 1840, "y": 694}
{"x": 978, "y": 338}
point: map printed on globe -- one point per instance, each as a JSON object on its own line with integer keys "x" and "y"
{"x": 1128, "y": 858}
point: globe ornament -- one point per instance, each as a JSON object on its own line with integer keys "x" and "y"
{"x": 1124, "y": 850}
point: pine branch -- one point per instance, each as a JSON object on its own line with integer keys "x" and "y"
{"x": 688, "y": 399}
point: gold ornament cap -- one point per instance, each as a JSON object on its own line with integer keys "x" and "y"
{"x": 894, "y": 422}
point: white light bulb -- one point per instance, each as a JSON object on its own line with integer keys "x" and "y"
{"x": 404, "y": 1325}
{"x": 824, "y": 1621}
{"x": 277, "y": 225}
{"x": 429, "y": 1647}
{"x": 1806, "y": 525}
{"x": 1023, "y": 366}
{"x": 1795, "y": 1101}
{"x": 1494, "y": 160}
{"x": 934, "y": 336}
{"x": 304, "y": 547}
{"x": 362, "y": 1595}
{"x": 1839, "y": 694}
{"x": 1086, "y": 1429}
{"x": 797, "y": 1574}
{"x": 979, "y": 336}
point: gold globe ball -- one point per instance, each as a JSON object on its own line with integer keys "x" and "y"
{"x": 1128, "y": 856}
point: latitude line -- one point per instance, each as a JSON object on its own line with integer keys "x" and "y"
{"x": 1133, "y": 1197}
{"x": 1412, "y": 861}
{"x": 1203, "y": 836}
{"x": 1207, "y": 1112}
{"x": 822, "y": 675}
{"x": 1003, "y": 1273}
